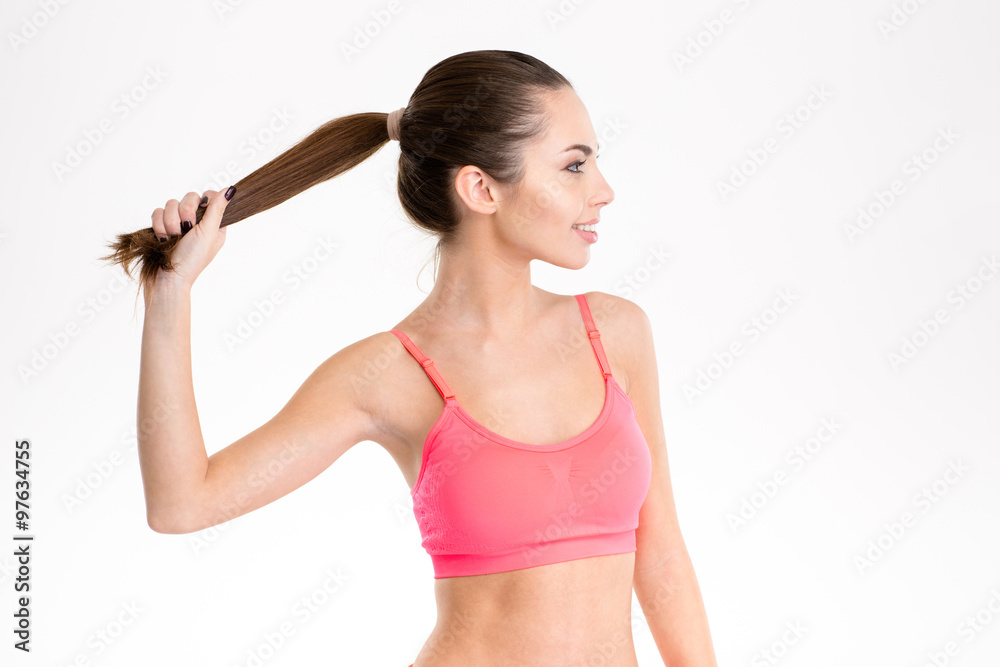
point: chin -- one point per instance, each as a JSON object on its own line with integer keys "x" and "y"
{"x": 572, "y": 261}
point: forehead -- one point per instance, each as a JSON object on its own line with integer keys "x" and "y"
{"x": 568, "y": 124}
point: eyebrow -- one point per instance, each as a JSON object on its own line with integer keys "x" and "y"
{"x": 584, "y": 148}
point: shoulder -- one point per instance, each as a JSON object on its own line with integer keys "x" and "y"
{"x": 615, "y": 310}
{"x": 364, "y": 363}
{"x": 626, "y": 331}
{"x": 368, "y": 369}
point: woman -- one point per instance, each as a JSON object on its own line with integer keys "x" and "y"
{"x": 539, "y": 518}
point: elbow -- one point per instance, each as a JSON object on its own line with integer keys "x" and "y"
{"x": 163, "y": 526}
{"x": 168, "y": 524}
{"x": 174, "y": 516}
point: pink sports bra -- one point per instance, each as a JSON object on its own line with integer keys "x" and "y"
{"x": 485, "y": 503}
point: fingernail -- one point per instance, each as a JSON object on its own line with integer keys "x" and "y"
{"x": 186, "y": 226}
{"x": 163, "y": 238}
{"x": 204, "y": 201}
{"x": 230, "y": 192}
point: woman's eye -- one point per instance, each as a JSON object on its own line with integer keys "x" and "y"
{"x": 576, "y": 164}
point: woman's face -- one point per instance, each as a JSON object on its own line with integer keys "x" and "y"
{"x": 562, "y": 186}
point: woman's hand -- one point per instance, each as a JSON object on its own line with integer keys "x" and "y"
{"x": 201, "y": 241}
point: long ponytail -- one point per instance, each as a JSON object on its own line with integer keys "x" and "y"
{"x": 330, "y": 150}
{"x": 478, "y": 107}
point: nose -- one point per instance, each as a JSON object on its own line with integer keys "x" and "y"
{"x": 603, "y": 194}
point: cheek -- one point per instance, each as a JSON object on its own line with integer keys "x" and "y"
{"x": 549, "y": 206}
{"x": 557, "y": 201}
{"x": 564, "y": 208}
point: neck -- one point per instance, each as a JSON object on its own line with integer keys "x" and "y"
{"x": 483, "y": 292}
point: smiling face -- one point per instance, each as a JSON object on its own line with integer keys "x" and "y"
{"x": 562, "y": 186}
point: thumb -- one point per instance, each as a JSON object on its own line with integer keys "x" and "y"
{"x": 217, "y": 203}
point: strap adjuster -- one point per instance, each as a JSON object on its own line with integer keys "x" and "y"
{"x": 594, "y": 334}
{"x": 427, "y": 362}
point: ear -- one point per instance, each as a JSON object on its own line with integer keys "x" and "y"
{"x": 477, "y": 189}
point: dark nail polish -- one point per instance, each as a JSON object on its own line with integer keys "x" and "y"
{"x": 186, "y": 226}
{"x": 230, "y": 192}
{"x": 204, "y": 201}
{"x": 163, "y": 238}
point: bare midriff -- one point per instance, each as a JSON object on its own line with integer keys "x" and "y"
{"x": 572, "y": 613}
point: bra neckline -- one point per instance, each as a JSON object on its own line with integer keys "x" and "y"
{"x": 584, "y": 435}
{"x": 451, "y": 405}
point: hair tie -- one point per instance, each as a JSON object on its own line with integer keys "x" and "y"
{"x": 392, "y": 123}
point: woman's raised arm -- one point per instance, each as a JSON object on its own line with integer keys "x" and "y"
{"x": 185, "y": 489}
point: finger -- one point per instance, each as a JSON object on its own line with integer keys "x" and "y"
{"x": 206, "y": 196}
{"x": 158, "y": 229}
{"x": 186, "y": 209}
{"x": 216, "y": 206}
{"x": 171, "y": 217}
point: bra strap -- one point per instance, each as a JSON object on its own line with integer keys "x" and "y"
{"x": 426, "y": 363}
{"x": 594, "y": 334}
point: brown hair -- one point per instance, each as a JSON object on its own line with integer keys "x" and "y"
{"x": 475, "y": 108}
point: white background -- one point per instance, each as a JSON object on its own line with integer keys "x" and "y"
{"x": 672, "y": 132}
